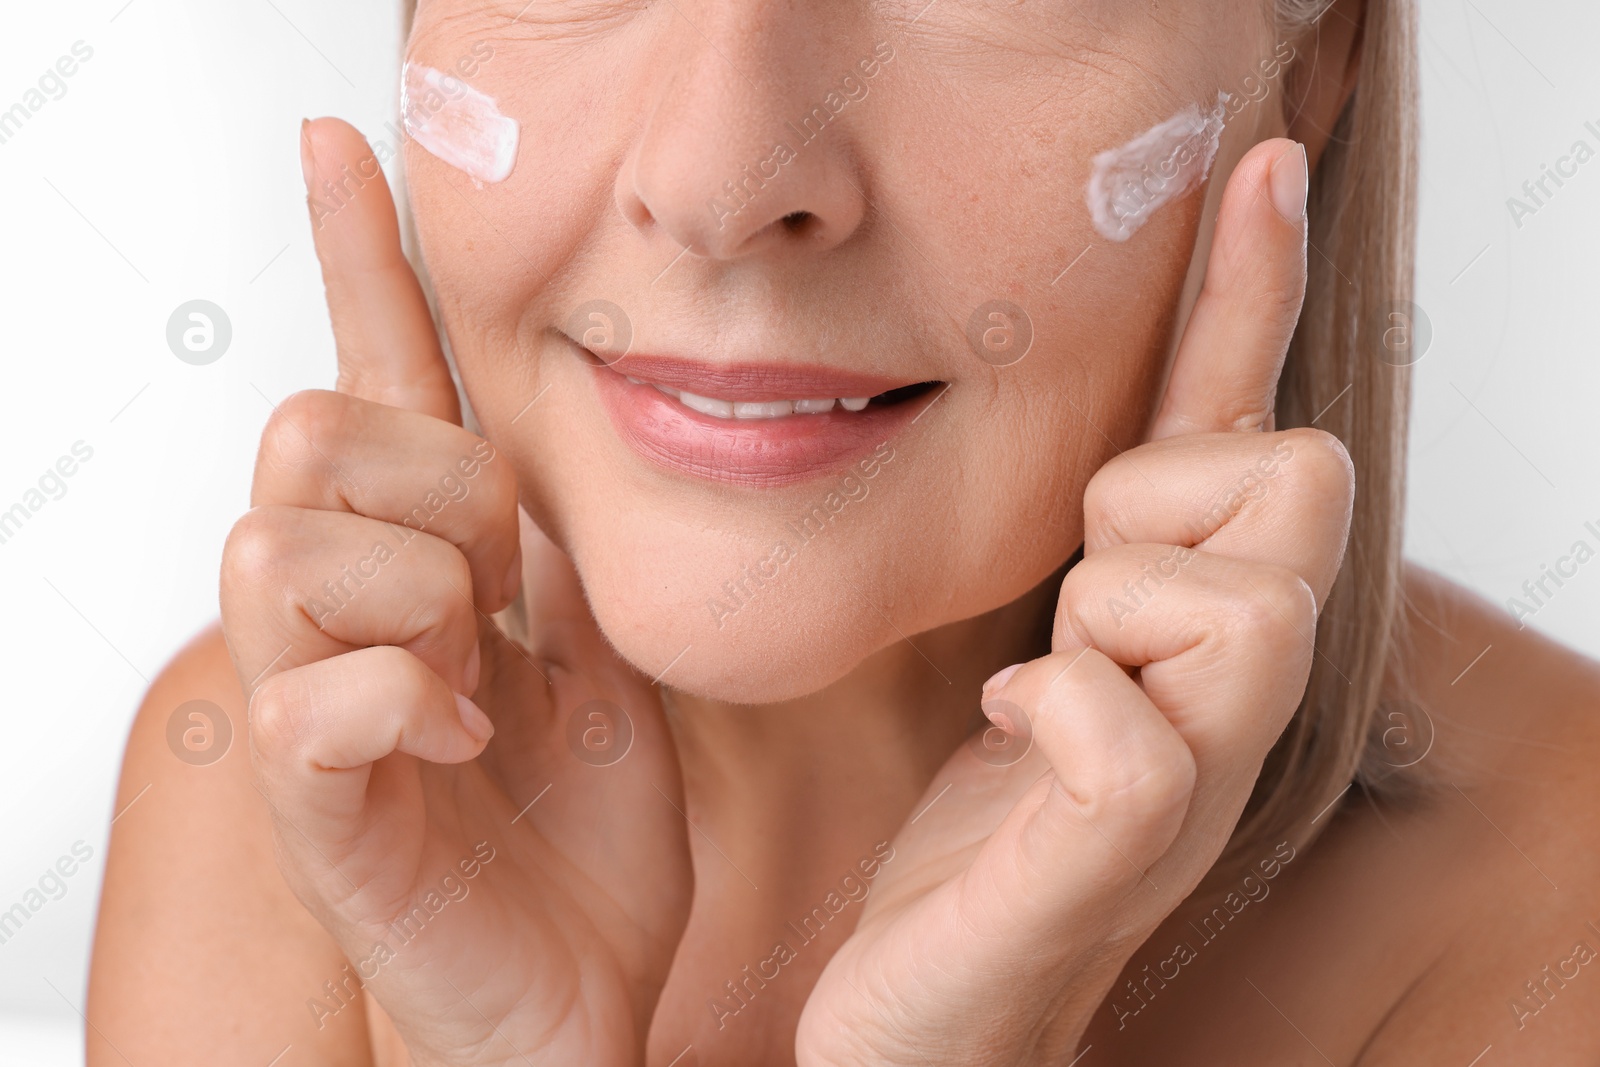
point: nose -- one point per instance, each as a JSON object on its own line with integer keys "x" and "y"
{"x": 729, "y": 165}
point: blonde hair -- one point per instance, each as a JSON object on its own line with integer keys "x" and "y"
{"x": 1361, "y": 254}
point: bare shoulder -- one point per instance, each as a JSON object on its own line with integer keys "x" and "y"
{"x": 202, "y": 955}
{"x": 1519, "y": 713}
{"x": 1517, "y": 797}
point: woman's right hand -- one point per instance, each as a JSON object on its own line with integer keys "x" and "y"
{"x": 509, "y": 901}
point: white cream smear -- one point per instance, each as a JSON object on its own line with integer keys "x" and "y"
{"x": 1130, "y": 183}
{"x": 457, "y": 124}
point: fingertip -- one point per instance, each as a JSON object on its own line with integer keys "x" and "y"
{"x": 1225, "y": 376}
{"x": 1257, "y": 177}
{"x": 316, "y": 151}
{"x": 384, "y": 332}
{"x": 337, "y": 162}
{"x": 998, "y": 681}
{"x": 473, "y": 719}
{"x": 1256, "y": 166}
{"x": 998, "y": 713}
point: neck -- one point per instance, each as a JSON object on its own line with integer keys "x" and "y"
{"x": 806, "y": 784}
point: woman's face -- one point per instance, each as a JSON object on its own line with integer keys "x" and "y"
{"x": 787, "y": 201}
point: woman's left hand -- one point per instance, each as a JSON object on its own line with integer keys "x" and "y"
{"x": 1181, "y": 648}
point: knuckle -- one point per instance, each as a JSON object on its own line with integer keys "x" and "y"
{"x": 1144, "y": 780}
{"x": 435, "y": 620}
{"x": 402, "y": 670}
{"x": 1266, "y": 280}
{"x": 500, "y": 486}
{"x": 1283, "y": 292}
{"x": 391, "y": 661}
{"x": 1105, "y": 510}
{"x": 458, "y": 572}
{"x": 253, "y": 555}
{"x": 1276, "y": 293}
{"x": 475, "y": 471}
{"x": 1275, "y": 603}
{"x": 302, "y": 428}
{"x": 1149, "y": 788}
{"x": 1078, "y": 591}
{"x": 1320, "y": 460}
{"x": 278, "y": 718}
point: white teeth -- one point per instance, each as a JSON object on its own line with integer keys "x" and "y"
{"x": 756, "y": 409}
{"x": 763, "y": 409}
{"x": 705, "y": 405}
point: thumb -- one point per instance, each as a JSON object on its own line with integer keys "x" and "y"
{"x": 387, "y": 343}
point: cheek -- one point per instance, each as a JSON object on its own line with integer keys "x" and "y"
{"x": 1012, "y": 216}
{"x": 501, "y": 254}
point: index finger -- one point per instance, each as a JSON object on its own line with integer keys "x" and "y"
{"x": 387, "y": 343}
{"x": 1225, "y": 376}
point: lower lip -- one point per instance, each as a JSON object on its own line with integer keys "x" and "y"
{"x": 746, "y": 452}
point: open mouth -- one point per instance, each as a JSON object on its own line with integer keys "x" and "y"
{"x": 753, "y": 424}
{"x": 719, "y": 408}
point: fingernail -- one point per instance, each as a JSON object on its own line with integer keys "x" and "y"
{"x": 513, "y": 582}
{"x": 308, "y": 162}
{"x": 1001, "y": 720}
{"x": 999, "y": 680}
{"x": 474, "y": 668}
{"x": 473, "y": 718}
{"x": 1290, "y": 181}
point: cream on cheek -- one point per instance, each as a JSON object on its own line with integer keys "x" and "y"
{"x": 457, "y": 123}
{"x": 1132, "y": 182}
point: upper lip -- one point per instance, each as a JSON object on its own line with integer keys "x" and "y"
{"x": 753, "y": 381}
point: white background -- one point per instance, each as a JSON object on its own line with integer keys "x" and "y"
{"x": 169, "y": 171}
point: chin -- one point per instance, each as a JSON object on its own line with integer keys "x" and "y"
{"x": 709, "y": 623}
